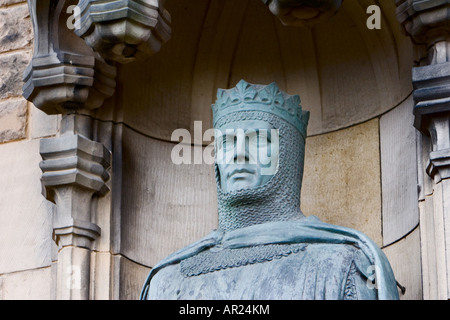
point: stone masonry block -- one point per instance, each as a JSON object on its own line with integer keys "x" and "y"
{"x": 341, "y": 183}
{"x": 25, "y": 215}
{"x": 13, "y": 120}
{"x": 12, "y": 66}
{"x": 35, "y": 284}
{"x": 10, "y": 2}
{"x": 15, "y": 28}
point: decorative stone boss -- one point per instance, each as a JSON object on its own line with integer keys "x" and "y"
{"x": 265, "y": 248}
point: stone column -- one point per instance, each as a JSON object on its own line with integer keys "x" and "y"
{"x": 66, "y": 77}
{"x": 427, "y": 23}
{"x": 77, "y": 45}
{"x": 75, "y": 171}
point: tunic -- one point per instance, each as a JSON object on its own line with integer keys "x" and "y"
{"x": 304, "y": 260}
{"x": 316, "y": 272}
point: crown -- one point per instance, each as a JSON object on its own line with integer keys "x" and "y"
{"x": 270, "y": 99}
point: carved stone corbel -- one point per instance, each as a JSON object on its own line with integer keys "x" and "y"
{"x": 303, "y": 13}
{"x": 432, "y": 106}
{"x": 64, "y": 73}
{"x": 67, "y": 77}
{"x": 123, "y": 30}
{"x": 424, "y": 21}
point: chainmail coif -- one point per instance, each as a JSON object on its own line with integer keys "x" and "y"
{"x": 279, "y": 198}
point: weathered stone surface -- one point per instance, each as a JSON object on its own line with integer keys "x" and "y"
{"x": 64, "y": 73}
{"x": 399, "y": 172}
{"x": 73, "y": 160}
{"x": 12, "y": 66}
{"x": 101, "y": 275}
{"x": 41, "y": 124}
{"x": 9, "y": 2}
{"x": 15, "y": 28}
{"x": 341, "y": 183}
{"x": 423, "y": 20}
{"x": 432, "y": 245}
{"x": 129, "y": 277}
{"x": 405, "y": 260}
{"x": 121, "y": 30}
{"x": 34, "y": 284}
{"x": 25, "y": 215}
{"x": 73, "y": 271}
{"x": 13, "y": 119}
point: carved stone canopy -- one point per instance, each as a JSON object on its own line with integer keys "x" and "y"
{"x": 123, "y": 30}
{"x": 64, "y": 74}
{"x": 427, "y": 23}
{"x": 303, "y": 13}
{"x": 424, "y": 21}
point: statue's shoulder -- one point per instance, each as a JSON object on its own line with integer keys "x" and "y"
{"x": 206, "y": 242}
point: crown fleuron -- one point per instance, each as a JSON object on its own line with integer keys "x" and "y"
{"x": 270, "y": 99}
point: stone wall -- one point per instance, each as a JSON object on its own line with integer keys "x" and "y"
{"x": 361, "y": 159}
{"x": 26, "y": 245}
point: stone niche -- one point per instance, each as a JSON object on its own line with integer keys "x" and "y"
{"x": 348, "y": 77}
{"x": 355, "y": 82}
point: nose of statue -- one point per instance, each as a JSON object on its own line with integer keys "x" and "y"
{"x": 240, "y": 147}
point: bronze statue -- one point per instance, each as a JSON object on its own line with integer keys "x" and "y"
{"x": 264, "y": 247}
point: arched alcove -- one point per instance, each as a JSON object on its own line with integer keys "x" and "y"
{"x": 345, "y": 74}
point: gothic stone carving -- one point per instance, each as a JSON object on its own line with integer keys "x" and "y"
{"x": 424, "y": 20}
{"x": 303, "y": 13}
{"x": 123, "y": 30}
{"x": 66, "y": 76}
{"x": 427, "y": 23}
{"x": 64, "y": 73}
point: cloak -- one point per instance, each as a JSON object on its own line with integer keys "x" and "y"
{"x": 309, "y": 230}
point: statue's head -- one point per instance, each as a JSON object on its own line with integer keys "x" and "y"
{"x": 247, "y": 142}
{"x": 259, "y": 144}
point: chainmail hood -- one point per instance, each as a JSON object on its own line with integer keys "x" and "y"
{"x": 279, "y": 198}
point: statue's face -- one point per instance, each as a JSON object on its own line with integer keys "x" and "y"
{"x": 247, "y": 154}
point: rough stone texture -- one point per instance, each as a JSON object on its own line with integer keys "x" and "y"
{"x": 405, "y": 260}
{"x": 432, "y": 245}
{"x": 27, "y": 285}
{"x": 9, "y": 2}
{"x": 15, "y": 28}
{"x": 129, "y": 278}
{"x": 341, "y": 183}
{"x": 125, "y": 31}
{"x": 101, "y": 275}
{"x": 399, "y": 172}
{"x": 25, "y": 215}
{"x": 13, "y": 119}
{"x": 41, "y": 124}
{"x": 12, "y": 66}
